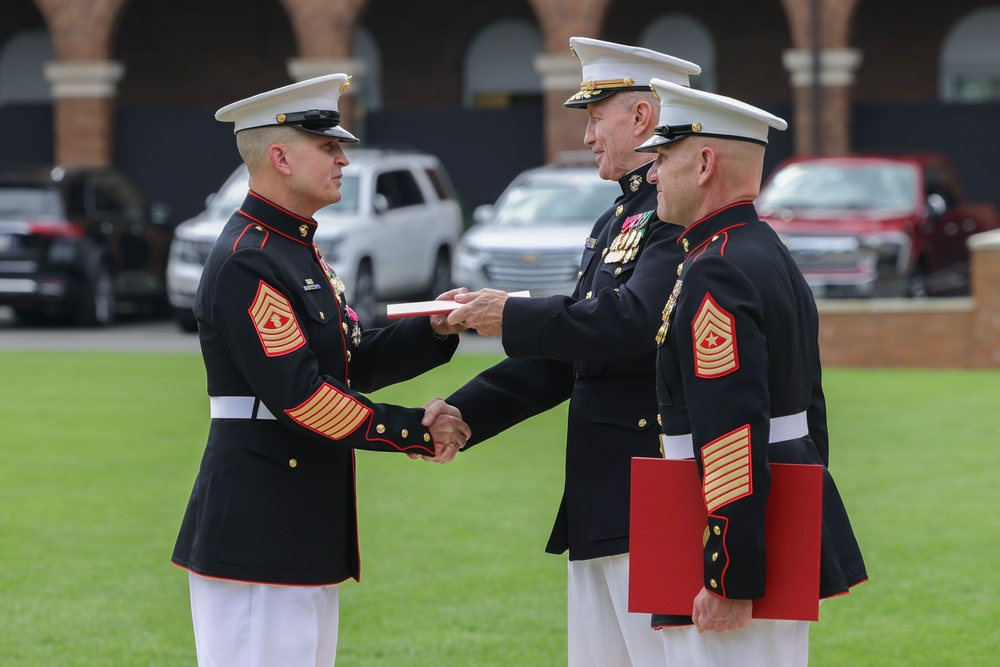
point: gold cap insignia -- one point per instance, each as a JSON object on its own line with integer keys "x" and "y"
{"x": 347, "y": 84}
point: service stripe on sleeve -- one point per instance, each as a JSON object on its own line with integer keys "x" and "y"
{"x": 728, "y": 474}
{"x": 331, "y": 413}
{"x": 275, "y": 322}
{"x": 714, "y": 334}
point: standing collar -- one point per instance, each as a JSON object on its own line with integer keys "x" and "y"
{"x": 704, "y": 229}
{"x": 635, "y": 180}
{"x": 277, "y": 219}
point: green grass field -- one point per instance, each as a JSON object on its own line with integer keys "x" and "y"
{"x": 99, "y": 451}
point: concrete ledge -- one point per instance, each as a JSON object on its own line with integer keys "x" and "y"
{"x": 962, "y": 304}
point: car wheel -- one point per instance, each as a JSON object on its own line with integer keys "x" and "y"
{"x": 441, "y": 280}
{"x": 916, "y": 283}
{"x": 97, "y": 305}
{"x": 185, "y": 320}
{"x": 361, "y": 296}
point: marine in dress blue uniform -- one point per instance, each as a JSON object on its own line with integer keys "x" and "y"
{"x": 595, "y": 349}
{"x": 739, "y": 386}
{"x": 287, "y": 365}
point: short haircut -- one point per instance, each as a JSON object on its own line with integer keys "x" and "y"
{"x": 626, "y": 99}
{"x": 254, "y": 142}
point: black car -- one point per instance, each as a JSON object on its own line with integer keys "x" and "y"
{"x": 79, "y": 244}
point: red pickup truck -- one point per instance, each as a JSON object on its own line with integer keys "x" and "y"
{"x": 875, "y": 225}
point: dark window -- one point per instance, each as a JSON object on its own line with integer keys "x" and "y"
{"x": 399, "y": 188}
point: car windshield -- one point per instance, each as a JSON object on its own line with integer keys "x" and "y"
{"x": 885, "y": 188}
{"x": 235, "y": 191}
{"x": 28, "y": 202}
{"x": 554, "y": 201}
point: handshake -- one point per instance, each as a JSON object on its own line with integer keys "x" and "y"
{"x": 447, "y": 429}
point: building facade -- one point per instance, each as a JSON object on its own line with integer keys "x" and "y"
{"x": 96, "y": 65}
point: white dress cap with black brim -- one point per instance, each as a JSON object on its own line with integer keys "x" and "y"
{"x": 310, "y": 106}
{"x": 686, "y": 112}
{"x": 609, "y": 68}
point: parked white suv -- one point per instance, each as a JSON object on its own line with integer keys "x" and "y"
{"x": 391, "y": 236}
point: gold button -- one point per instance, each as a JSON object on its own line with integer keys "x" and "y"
{"x": 427, "y": 437}
{"x": 259, "y": 228}
{"x": 589, "y": 294}
{"x": 323, "y": 317}
{"x": 579, "y": 274}
{"x": 717, "y": 530}
{"x": 680, "y": 267}
{"x": 618, "y": 271}
{"x": 713, "y": 583}
{"x": 343, "y": 325}
{"x": 404, "y": 433}
{"x": 348, "y": 383}
{"x": 292, "y": 463}
{"x": 348, "y": 355}
{"x": 380, "y": 429}
{"x": 618, "y": 211}
{"x": 604, "y": 252}
{"x": 715, "y": 238}
{"x": 642, "y": 423}
{"x": 658, "y": 420}
{"x": 715, "y": 556}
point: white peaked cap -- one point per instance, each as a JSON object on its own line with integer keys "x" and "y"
{"x": 685, "y": 112}
{"x": 310, "y": 106}
{"x": 609, "y": 68}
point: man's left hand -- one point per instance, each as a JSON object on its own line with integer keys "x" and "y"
{"x": 720, "y": 614}
{"x": 439, "y": 323}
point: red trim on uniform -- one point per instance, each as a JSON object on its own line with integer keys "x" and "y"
{"x": 276, "y": 231}
{"x": 282, "y": 208}
{"x": 721, "y": 591}
{"x": 712, "y": 215}
{"x": 245, "y": 229}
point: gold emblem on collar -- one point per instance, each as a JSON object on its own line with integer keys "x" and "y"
{"x": 635, "y": 182}
{"x": 303, "y": 231}
{"x": 684, "y": 242}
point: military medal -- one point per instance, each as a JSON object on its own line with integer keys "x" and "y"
{"x": 356, "y": 328}
{"x": 625, "y": 247}
{"x": 668, "y": 309}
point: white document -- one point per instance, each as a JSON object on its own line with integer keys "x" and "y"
{"x": 418, "y": 308}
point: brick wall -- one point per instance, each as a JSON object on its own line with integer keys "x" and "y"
{"x": 924, "y": 333}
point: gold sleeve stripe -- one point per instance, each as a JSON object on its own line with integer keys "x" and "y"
{"x": 331, "y": 413}
{"x": 275, "y": 322}
{"x": 714, "y": 334}
{"x": 728, "y": 474}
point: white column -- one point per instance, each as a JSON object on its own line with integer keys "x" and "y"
{"x": 836, "y": 66}
{"x": 558, "y": 71}
{"x": 84, "y": 78}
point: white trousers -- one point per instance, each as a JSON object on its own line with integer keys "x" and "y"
{"x": 762, "y": 643}
{"x": 601, "y": 631}
{"x": 239, "y": 624}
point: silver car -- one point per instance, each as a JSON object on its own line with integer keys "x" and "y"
{"x": 533, "y": 237}
{"x": 392, "y": 235}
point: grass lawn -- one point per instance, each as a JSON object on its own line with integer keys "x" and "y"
{"x": 99, "y": 451}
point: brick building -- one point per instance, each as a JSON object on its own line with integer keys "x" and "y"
{"x": 135, "y": 83}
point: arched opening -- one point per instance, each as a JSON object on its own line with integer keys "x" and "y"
{"x": 970, "y": 58}
{"x": 685, "y": 37}
{"x": 499, "y": 70}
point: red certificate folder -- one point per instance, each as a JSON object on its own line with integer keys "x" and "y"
{"x": 668, "y": 516}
